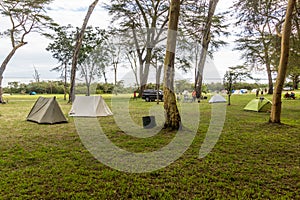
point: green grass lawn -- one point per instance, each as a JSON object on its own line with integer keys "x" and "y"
{"x": 252, "y": 159}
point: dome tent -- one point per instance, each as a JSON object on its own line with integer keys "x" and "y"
{"x": 259, "y": 105}
{"x": 217, "y": 98}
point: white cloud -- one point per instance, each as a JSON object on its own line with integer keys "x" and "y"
{"x": 73, "y": 12}
{"x": 34, "y": 53}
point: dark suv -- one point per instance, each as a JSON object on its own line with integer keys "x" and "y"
{"x": 151, "y": 95}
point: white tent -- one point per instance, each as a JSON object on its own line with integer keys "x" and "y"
{"x": 237, "y": 92}
{"x": 217, "y": 99}
{"x": 89, "y": 106}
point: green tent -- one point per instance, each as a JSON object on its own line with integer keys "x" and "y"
{"x": 259, "y": 105}
{"x": 46, "y": 111}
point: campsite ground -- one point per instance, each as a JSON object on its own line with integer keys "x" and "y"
{"x": 252, "y": 159}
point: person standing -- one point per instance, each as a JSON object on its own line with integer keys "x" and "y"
{"x": 257, "y": 92}
{"x": 194, "y": 95}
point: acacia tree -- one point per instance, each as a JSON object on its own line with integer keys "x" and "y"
{"x": 204, "y": 27}
{"x": 25, "y": 17}
{"x": 232, "y": 76}
{"x": 144, "y": 21}
{"x": 61, "y": 49}
{"x": 132, "y": 59}
{"x": 282, "y": 69}
{"x": 158, "y": 63}
{"x": 260, "y": 20}
{"x": 114, "y": 52}
{"x": 102, "y": 59}
{"x": 172, "y": 116}
{"x": 89, "y": 69}
{"x": 199, "y": 22}
{"x": 89, "y": 58}
{"x": 293, "y": 71}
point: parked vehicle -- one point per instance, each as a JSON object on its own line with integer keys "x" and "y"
{"x": 287, "y": 89}
{"x": 151, "y": 95}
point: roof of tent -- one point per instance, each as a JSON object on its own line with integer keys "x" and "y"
{"x": 46, "y": 111}
{"x": 259, "y": 105}
{"x": 89, "y": 106}
{"x": 217, "y": 98}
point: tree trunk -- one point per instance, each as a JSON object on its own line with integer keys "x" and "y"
{"x": 270, "y": 80}
{"x": 133, "y": 66}
{"x": 88, "y": 86}
{"x": 4, "y": 64}
{"x": 172, "y": 116}
{"x": 282, "y": 69}
{"x": 205, "y": 43}
{"x": 268, "y": 68}
{"x": 65, "y": 83}
{"x": 144, "y": 71}
{"x": 104, "y": 76}
{"x": 115, "y": 72}
{"x": 158, "y": 73}
{"x": 229, "y": 89}
{"x": 77, "y": 50}
{"x": 295, "y": 82}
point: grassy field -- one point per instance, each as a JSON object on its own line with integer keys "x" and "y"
{"x": 252, "y": 159}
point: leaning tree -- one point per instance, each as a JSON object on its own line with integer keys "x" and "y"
{"x": 25, "y": 17}
{"x": 77, "y": 47}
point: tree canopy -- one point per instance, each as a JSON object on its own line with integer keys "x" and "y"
{"x": 25, "y": 17}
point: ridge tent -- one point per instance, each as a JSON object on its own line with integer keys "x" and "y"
{"x": 217, "y": 98}
{"x": 259, "y": 105}
{"x": 46, "y": 111}
{"x": 89, "y": 106}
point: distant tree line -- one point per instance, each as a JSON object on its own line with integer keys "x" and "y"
{"x": 57, "y": 87}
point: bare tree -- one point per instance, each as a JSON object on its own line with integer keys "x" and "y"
{"x": 132, "y": 58}
{"x": 36, "y": 75}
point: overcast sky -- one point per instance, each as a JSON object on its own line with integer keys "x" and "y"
{"x": 73, "y": 12}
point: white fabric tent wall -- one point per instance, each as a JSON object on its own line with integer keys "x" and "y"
{"x": 89, "y": 106}
{"x": 217, "y": 99}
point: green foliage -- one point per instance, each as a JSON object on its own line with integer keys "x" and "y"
{"x": 64, "y": 40}
{"x": 193, "y": 19}
{"x": 105, "y": 88}
{"x": 235, "y": 75}
{"x": 62, "y": 46}
{"x": 26, "y": 16}
{"x": 260, "y": 22}
{"x": 182, "y": 85}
